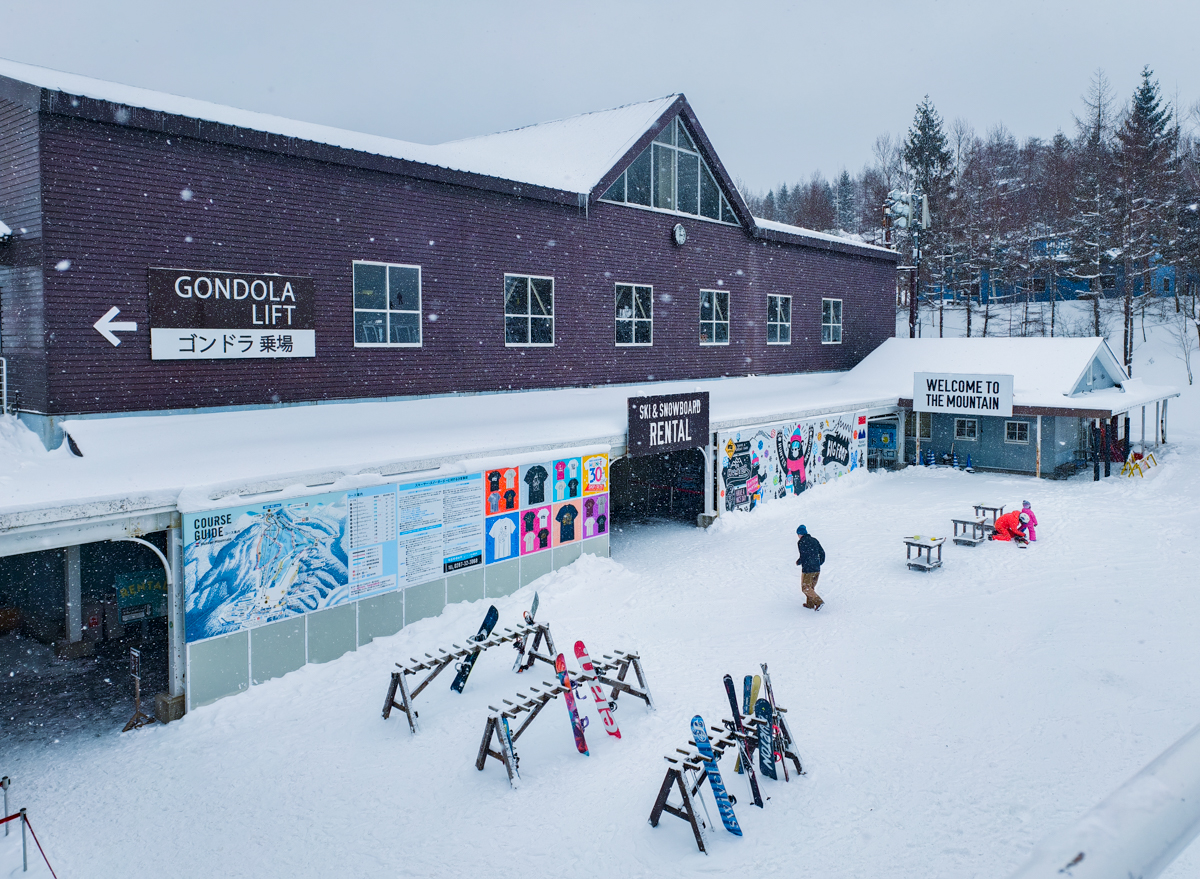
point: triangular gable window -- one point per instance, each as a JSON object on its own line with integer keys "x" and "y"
{"x": 670, "y": 175}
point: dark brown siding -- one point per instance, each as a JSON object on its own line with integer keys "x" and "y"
{"x": 113, "y": 207}
{"x": 22, "y": 336}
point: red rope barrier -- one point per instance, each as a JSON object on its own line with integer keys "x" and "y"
{"x": 12, "y": 817}
{"x": 40, "y": 849}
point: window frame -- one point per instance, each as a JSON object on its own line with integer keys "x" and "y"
{"x": 633, "y": 320}
{"x": 925, "y": 422}
{"x": 387, "y": 310}
{"x": 676, "y": 140}
{"x": 713, "y": 322}
{"x": 779, "y": 323}
{"x": 960, "y": 423}
{"x": 838, "y": 325}
{"x": 528, "y": 314}
{"x": 1018, "y": 440}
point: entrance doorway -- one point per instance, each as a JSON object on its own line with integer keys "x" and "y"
{"x": 666, "y": 486}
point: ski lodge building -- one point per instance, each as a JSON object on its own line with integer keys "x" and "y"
{"x": 334, "y": 381}
{"x": 305, "y": 386}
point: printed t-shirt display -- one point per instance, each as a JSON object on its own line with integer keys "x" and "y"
{"x": 535, "y": 478}
{"x": 510, "y": 499}
{"x": 501, "y": 533}
{"x": 566, "y": 522}
{"x": 493, "y": 479}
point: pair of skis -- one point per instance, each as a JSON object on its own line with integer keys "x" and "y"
{"x": 603, "y": 706}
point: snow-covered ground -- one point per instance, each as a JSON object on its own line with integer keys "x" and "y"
{"x": 947, "y": 721}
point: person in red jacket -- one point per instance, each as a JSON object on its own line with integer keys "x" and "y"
{"x": 1011, "y": 526}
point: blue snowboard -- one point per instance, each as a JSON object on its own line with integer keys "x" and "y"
{"x": 700, "y": 734}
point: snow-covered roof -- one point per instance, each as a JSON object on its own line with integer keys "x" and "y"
{"x": 570, "y": 155}
{"x": 145, "y": 462}
{"x": 1044, "y": 370}
{"x": 775, "y": 226}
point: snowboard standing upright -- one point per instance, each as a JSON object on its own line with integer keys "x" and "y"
{"x": 700, "y": 735}
{"x": 743, "y": 750}
{"x": 522, "y": 643}
{"x": 774, "y": 724}
{"x": 603, "y": 706}
{"x": 766, "y": 738}
{"x": 468, "y": 663}
{"x": 577, "y": 723}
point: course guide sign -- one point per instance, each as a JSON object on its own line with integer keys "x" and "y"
{"x": 259, "y": 563}
{"x": 963, "y": 393}
{"x": 667, "y": 423}
{"x": 200, "y": 314}
{"x": 760, "y": 464}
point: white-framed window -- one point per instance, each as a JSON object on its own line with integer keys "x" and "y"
{"x": 910, "y": 424}
{"x": 831, "y": 321}
{"x": 387, "y": 305}
{"x": 1016, "y": 431}
{"x": 714, "y": 317}
{"x": 635, "y": 314}
{"x": 670, "y": 175}
{"x": 966, "y": 429}
{"x": 779, "y": 320}
{"x": 528, "y": 310}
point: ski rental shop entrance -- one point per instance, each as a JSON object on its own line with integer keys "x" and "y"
{"x": 665, "y": 470}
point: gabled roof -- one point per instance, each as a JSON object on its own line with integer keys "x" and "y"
{"x": 1044, "y": 370}
{"x": 578, "y": 156}
{"x": 570, "y": 154}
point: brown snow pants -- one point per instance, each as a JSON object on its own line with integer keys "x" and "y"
{"x": 808, "y": 585}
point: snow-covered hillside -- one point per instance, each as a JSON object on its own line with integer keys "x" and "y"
{"x": 947, "y": 721}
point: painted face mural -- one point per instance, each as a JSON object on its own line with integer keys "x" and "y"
{"x": 787, "y": 458}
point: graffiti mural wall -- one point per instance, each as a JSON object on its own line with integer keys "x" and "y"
{"x": 760, "y": 464}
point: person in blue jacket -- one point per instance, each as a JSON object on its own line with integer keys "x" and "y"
{"x": 812, "y": 556}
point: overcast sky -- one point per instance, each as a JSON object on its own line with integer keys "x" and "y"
{"x": 782, "y": 89}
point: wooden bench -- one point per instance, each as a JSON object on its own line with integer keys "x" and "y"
{"x": 991, "y": 512}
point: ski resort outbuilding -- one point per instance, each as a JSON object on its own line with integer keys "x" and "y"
{"x": 1058, "y": 405}
{"x": 327, "y": 382}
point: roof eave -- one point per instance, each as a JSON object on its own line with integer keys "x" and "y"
{"x": 52, "y": 102}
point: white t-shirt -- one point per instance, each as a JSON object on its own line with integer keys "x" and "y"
{"x": 501, "y": 533}
{"x": 560, "y": 490}
{"x": 530, "y": 541}
{"x": 543, "y": 518}
{"x": 589, "y": 527}
{"x": 510, "y": 478}
{"x": 573, "y": 468}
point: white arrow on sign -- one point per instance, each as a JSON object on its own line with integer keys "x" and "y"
{"x": 107, "y": 327}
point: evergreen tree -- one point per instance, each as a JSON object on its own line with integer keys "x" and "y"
{"x": 1146, "y": 165}
{"x": 926, "y": 151}
{"x": 844, "y": 198}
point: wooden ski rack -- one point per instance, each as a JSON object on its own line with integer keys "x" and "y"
{"x": 685, "y": 771}
{"x": 437, "y": 662}
{"x": 618, "y": 661}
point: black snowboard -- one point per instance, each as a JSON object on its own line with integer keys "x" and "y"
{"x": 464, "y": 669}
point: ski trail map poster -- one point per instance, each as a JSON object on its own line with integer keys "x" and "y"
{"x": 255, "y": 564}
{"x": 761, "y": 464}
{"x": 252, "y": 565}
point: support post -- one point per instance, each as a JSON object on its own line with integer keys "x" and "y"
{"x": 176, "y": 631}
{"x": 1095, "y": 443}
{"x": 4, "y": 783}
{"x": 74, "y": 600}
{"x": 917, "y": 432}
{"x": 1164, "y": 421}
{"x": 1157, "y": 421}
{"x": 1039, "y": 447}
{"x": 710, "y": 483}
{"x": 1104, "y": 448}
{"x": 1143, "y": 430}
